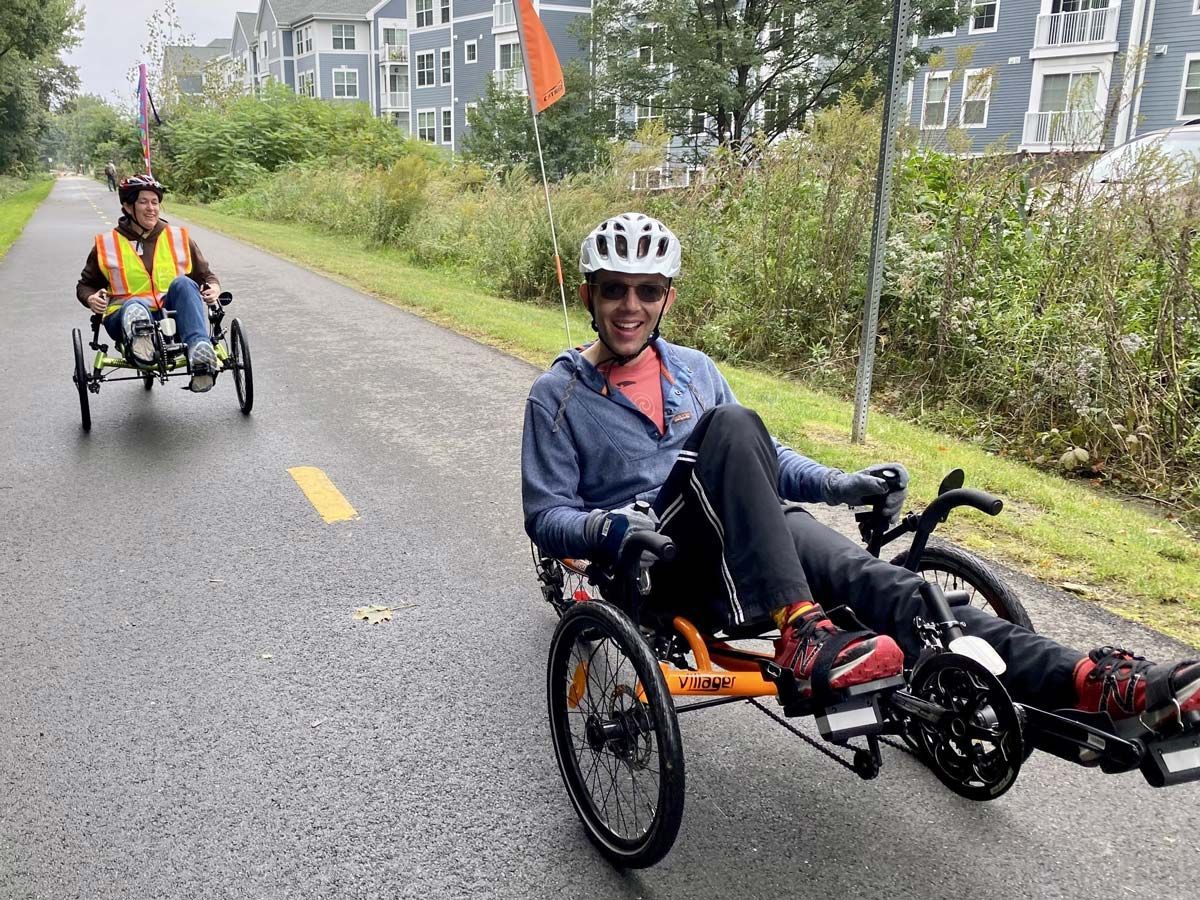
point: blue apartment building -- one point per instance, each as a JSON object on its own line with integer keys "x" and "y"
{"x": 420, "y": 63}
{"x": 1053, "y": 75}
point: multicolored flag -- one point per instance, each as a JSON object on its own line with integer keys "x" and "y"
{"x": 545, "y": 74}
{"x": 144, "y": 115}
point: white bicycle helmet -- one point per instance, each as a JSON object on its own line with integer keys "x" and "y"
{"x": 632, "y": 242}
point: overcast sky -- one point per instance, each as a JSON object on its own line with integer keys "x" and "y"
{"x": 115, "y": 30}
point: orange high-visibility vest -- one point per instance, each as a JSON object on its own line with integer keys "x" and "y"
{"x": 126, "y": 273}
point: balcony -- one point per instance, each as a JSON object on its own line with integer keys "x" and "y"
{"x": 503, "y": 16}
{"x": 393, "y": 53}
{"x": 1072, "y": 29}
{"x": 509, "y": 79}
{"x": 394, "y": 100}
{"x": 1071, "y": 129}
{"x": 664, "y": 178}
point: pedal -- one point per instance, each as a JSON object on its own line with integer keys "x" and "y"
{"x": 1173, "y": 760}
{"x": 851, "y": 719}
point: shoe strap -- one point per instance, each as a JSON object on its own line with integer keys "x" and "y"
{"x": 1158, "y": 687}
{"x": 827, "y": 654}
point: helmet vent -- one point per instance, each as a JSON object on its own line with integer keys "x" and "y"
{"x": 643, "y": 246}
{"x": 602, "y": 245}
{"x": 622, "y": 246}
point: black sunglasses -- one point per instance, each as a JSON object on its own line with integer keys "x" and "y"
{"x": 646, "y": 292}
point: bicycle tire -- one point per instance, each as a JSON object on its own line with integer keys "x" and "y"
{"x": 610, "y": 723}
{"x": 953, "y": 568}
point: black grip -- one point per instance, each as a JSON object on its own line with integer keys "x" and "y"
{"x": 976, "y": 499}
{"x": 225, "y": 298}
{"x": 658, "y": 545}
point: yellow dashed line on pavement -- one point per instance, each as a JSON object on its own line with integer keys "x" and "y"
{"x": 322, "y": 494}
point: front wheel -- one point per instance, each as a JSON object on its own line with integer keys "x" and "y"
{"x": 81, "y": 381}
{"x": 243, "y": 372}
{"x": 616, "y": 735}
{"x": 954, "y": 569}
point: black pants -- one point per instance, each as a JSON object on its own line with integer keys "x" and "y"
{"x": 744, "y": 553}
{"x": 112, "y": 183}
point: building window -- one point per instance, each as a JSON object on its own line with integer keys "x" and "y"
{"x": 697, "y": 122}
{"x": 308, "y": 39}
{"x": 425, "y": 69}
{"x": 510, "y": 56}
{"x": 445, "y": 66}
{"x": 427, "y": 125}
{"x": 447, "y": 126}
{"x": 935, "y": 105}
{"x": 977, "y": 94}
{"x": 445, "y": 7}
{"x": 343, "y": 37}
{"x": 469, "y": 113}
{"x": 424, "y": 13}
{"x": 775, "y": 111}
{"x": 1189, "y": 95}
{"x": 470, "y": 52}
{"x": 648, "y": 111}
{"x": 984, "y": 16}
{"x": 345, "y": 83}
{"x": 305, "y": 85}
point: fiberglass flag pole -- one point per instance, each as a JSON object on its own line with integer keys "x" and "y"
{"x": 144, "y": 115}
{"x": 545, "y": 88}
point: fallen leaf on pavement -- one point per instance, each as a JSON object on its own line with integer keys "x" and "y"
{"x": 374, "y": 614}
{"x": 1081, "y": 589}
{"x": 266, "y": 656}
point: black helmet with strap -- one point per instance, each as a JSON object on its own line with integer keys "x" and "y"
{"x": 129, "y": 188}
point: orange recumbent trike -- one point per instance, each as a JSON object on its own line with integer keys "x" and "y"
{"x": 620, "y": 673}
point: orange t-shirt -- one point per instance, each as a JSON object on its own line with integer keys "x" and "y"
{"x": 641, "y": 382}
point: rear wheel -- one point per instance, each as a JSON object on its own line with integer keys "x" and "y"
{"x": 616, "y": 736}
{"x": 243, "y": 373}
{"x": 954, "y": 569}
{"x": 81, "y": 381}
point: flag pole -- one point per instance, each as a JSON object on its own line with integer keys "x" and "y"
{"x": 537, "y": 138}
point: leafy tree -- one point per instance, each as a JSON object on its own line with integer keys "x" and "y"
{"x": 724, "y": 70}
{"x": 572, "y": 130}
{"x": 33, "y": 34}
{"x": 88, "y": 132}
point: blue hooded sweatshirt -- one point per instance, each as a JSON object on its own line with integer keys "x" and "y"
{"x": 588, "y": 447}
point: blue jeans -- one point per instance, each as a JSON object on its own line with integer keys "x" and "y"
{"x": 182, "y": 297}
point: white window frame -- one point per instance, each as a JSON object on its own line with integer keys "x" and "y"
{"x": 445, "y": 65}
{"x": 1187, "y": 64}
{"x": 274, "y": 40}
{"x": 986, "y": 100}
{"x": 444, "y": 13}
{"x": 429, "y": 54}
{"x": 419, "y": 12}
{"x": 1196, "y": 8}
{"x": 971, "y": 29}
{"x": 467, "y": 107}
{"x": 308, "y": 39}
{"x": 470, "y": 58}
{"x": 442, "y": 126}
{"x": 432, "y": 112}
{"x": 515, "y": 54}
{"x": 940, "y": 74}
{"x": 346, "y": 70}
{"x": 353, "y": 37}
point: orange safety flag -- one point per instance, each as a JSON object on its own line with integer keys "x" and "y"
{"x": 545, "y": 74}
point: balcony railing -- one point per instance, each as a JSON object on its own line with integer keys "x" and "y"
{"x": 664, "y": 178}
{"x": 393, "y": 53}
{"x": 503, "y": 14}
{"x": 395, "y": 100}
{"x": 1064, "y": 129}
{"x": 509, "y": 79}
{"x": 1085, "y": 26}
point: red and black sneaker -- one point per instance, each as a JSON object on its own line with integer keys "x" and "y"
{"x": 813, "y": 649}
{"x": 1115, "y": 681}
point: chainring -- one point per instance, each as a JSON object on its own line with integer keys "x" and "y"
{"x": 978, "y": 750}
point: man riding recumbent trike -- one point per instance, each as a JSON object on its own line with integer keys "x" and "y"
{"x": 637, "y": 457}
{"x": 147, "y": 283}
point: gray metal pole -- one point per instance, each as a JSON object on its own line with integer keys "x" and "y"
{"x": 883, "y": 200}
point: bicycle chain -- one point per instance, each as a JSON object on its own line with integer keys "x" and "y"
{"x": 820, "y": 745}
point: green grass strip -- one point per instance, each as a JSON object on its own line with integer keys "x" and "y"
{"x": 1141, "y": 567}
{"x": 16, "y": 209}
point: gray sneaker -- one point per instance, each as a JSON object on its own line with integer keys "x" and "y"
{"x": 202, "y": 360}
{"x": 138, "y": 329}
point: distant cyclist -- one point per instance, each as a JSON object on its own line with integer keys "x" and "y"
{"x": 632, "y": 417}
{"x": 146, "y": 265}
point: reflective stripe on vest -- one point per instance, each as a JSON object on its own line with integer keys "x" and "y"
{"x": 126, "y": 273}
